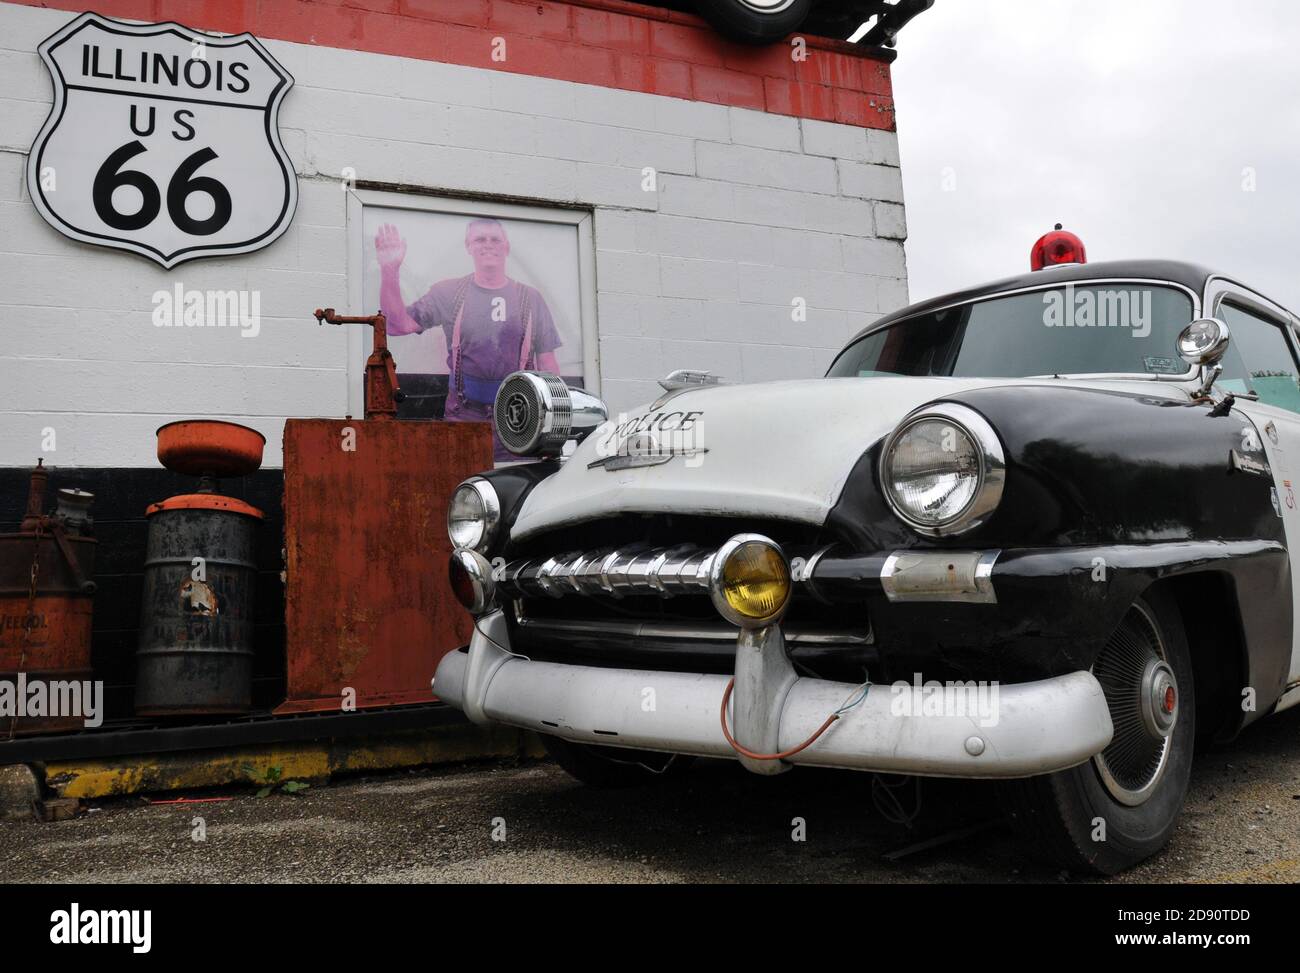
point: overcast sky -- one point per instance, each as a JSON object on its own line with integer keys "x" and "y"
{"x": 1132, "y": 122}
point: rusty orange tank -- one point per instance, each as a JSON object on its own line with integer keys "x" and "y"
{"x": 46, "y": 603}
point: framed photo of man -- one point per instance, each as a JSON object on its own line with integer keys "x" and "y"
{"x": 472, "y": 290}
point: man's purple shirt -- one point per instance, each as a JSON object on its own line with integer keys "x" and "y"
{"x": 489, "y": 349}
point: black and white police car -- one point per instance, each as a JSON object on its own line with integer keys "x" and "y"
{"x": 1038, "y": 530}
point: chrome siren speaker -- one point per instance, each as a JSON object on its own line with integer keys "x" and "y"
{"x": 536, "y": 413}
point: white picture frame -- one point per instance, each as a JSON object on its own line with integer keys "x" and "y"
{"x": 361, "y": 198}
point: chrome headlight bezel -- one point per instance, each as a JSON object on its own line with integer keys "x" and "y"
{"x": 491, "y": 519}
{"x": 478, "y": 574}
{"x": 1204, "y": 342}
{"x": 717, "y": 581}
{"x": 992, "y": 469}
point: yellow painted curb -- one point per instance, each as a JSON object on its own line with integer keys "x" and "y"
{"x": 305, "y": 761}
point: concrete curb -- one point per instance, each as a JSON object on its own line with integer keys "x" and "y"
{"x": 307, "y": 761}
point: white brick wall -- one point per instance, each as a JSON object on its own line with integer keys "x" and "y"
{"x": 752, "y": 212}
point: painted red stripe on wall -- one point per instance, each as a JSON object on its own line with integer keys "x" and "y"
{"x": 612, "y": 43}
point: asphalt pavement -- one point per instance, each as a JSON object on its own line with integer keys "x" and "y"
{"x": 530, "y": 822}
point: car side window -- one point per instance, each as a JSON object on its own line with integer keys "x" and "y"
{"x": 1259, "y": 359}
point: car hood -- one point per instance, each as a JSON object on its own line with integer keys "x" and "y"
{"x": 778, "y": 450}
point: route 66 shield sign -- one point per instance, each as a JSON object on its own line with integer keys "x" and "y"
{"x": 162, "y": 140}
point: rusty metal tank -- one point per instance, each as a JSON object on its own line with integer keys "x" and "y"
{"x": 46, "y": 606}
{"x": 196, "y": 622}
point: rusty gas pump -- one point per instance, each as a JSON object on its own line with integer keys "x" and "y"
{"x": 363, "y": 504}
{"x": 382, "y": 391}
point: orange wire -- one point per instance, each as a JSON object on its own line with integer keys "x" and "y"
{"x": 726, "y": 698}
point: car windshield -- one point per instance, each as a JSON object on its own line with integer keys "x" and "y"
{"x": 1073, "y": 329}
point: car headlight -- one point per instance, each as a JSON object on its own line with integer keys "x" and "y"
{"x": 943, "y": 470}
{"x": 473, "y": 515}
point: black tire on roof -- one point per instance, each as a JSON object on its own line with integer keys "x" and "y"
{"x": 755, "y": 21}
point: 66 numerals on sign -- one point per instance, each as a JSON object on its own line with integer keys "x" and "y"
{"x": 183, "y": 183}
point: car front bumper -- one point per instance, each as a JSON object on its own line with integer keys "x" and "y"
{"x": 966, "y": 730}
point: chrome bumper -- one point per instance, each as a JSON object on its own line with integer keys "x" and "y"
{"x": 1036, "y": 727}
{"x": 927, "y": 576}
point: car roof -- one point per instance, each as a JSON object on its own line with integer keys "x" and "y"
{"x": 1192, "y": 276}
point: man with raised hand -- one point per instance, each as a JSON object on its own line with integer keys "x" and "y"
{"x": 489, "y": 324}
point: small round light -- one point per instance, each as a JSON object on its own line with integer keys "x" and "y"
{"x": 750, "y": 581}
{"x": 1204, "y": 341}
{"x": 943, "y": 470}
{"x": 473, "y": 514}
{"x": 470, "y": 576}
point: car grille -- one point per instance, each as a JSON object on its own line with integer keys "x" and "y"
{"x": 633, "y": 592}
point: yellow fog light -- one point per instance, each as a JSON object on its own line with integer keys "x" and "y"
{"x": 750, "y": 581}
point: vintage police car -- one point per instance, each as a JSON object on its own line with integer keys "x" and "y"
{"x": 1069, "y": 491}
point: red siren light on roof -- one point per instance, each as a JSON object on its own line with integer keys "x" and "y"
{"x": 1058, "y": 247}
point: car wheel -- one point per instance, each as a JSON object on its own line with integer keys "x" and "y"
{"x": 1121, "y": 806}
{"x": 755, "y": 21}
{"x": 612, "y": 767}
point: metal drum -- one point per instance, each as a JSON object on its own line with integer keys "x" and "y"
{"x": 46, "y": 603}
{"x": 196, "y": 622}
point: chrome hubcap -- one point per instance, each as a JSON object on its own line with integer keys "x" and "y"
{"x": 1159, "y": 699}
{"x": 1142, "y": 695}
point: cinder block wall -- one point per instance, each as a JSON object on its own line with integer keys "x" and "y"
{"x": 776, "y": 181}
